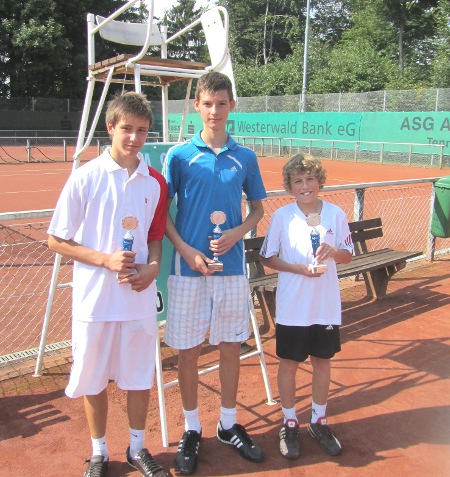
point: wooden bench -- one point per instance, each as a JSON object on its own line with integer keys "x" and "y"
{"x": 377, "y": 267}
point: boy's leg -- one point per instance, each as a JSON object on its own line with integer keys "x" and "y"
{"x": 229, "y": 369}
{"x": 320, "y": 380}
{"x": 137, "y": 455}
{"x": 188, "y": 376}
{"x": 137, "y": 408}
{"x": 289, "y": 432}
{"x": 287, "y": 370}
{"x": 229, "y": 380}
{"x": 96, "y": 408}
{"x": 186, "y": 458}
{"x": 318, "y": 427}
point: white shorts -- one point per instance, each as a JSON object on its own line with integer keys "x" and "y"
{"x": 122, "y": 351}
{"x": 198, "y": 304}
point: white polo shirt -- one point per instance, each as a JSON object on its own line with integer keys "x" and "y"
{"x": 90, "y": 210}
{"x": 302, "y": 300}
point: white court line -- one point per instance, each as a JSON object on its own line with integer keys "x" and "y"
{"x": 31, "y": 172}
{"x": 31, "y": 191}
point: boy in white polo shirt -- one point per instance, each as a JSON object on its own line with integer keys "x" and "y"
{"x": 309, "y": 232}
{"x": 114, "y": 325}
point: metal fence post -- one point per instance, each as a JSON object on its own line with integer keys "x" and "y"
{"x": 431, "y": 240}
{"x": 29, "y": 150}
{"x": 358, "y": 206}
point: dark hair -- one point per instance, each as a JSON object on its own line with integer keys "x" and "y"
{"x": 303, "y": 165}
{"x": 212, "y": 83}
{"x": 128, "y": 104}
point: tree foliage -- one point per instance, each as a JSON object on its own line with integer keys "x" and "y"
{"x": 355, "y": 45}
{"x": 43, "y": 46}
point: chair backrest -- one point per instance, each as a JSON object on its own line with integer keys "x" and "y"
{"x": 216, "y": 34}
{"x": 127, "y": 33}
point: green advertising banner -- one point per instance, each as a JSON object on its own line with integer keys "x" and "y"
{"x": 417, "y": 128}
{"x": 154, "y": 155}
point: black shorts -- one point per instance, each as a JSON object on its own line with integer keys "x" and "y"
{"x": 298, "y": 342}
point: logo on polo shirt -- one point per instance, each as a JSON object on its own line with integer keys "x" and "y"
{"x": 329, "y": 232}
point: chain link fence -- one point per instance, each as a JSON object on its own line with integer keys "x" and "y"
{"x": 26, "y": 264}
{"x": 426, "y": 99}
{"x": 34, "y": 148}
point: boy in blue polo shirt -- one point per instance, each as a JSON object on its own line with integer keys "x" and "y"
{"x": 208, "y": 175}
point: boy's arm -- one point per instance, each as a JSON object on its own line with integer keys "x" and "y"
{"x": 339, "y": 255}
{"x": 194, "y": 258}
{"x": 231, "y": 236}
{"x": 279, "y": 265}
{"x": 119, "y": 261}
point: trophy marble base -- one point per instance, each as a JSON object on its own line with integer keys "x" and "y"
{"x": 319, "y": 268}
{"x": 216, "y": 266}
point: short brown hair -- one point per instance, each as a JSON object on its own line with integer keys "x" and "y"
{"x": 212, "y": 83}
{"x": 303, "y": 165}
{"x": 128, "y": 104}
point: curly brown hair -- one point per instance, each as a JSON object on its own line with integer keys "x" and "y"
{"x": 303, "y": 165}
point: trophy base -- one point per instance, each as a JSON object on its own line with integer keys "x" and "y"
{"x": 216, "y": 266}
{"x": 319, "y": 268}
{"x": 121, "y": 276}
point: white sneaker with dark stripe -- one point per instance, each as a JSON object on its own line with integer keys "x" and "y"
{"x": 238, "y": 437}
{"x": 289, "y": 439}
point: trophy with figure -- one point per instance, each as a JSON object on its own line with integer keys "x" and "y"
{"x": 217, "y": 218}
{"x": 129, "y": 223}
{"x": 313, "y": 220}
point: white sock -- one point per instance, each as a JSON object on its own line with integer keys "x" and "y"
{"x": 99, "y": 447}
{"x": 227, "y": 417}
{"x": 318, "y": 412}
{"x": 137, "y": 437}
{"x": 289, "y": 414}
{"x": 191, "y": 420}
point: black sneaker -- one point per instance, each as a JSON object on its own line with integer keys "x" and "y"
{"x": 146, "y": 464}
{"x": 187, "y": 453}
{"x": 238, "y": 437}
{"x": 97, "y": 466}
{"x": 326, "y": 437}
{"x": 289, "y": 439}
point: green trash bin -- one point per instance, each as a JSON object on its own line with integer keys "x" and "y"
{"x": 440, "y": 221}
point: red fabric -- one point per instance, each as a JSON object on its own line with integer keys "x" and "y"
{"x": 158, "y": 227}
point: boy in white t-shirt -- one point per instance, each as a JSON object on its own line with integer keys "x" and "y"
{"x": 114, "y": 325}
{"x": 307, "y": 232}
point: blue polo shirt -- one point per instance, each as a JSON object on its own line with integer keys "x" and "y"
{"x": 204, "y": 182}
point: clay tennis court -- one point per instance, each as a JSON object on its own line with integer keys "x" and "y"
{"x": 36, "y": 186}
{"x": 389, "y": 400}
